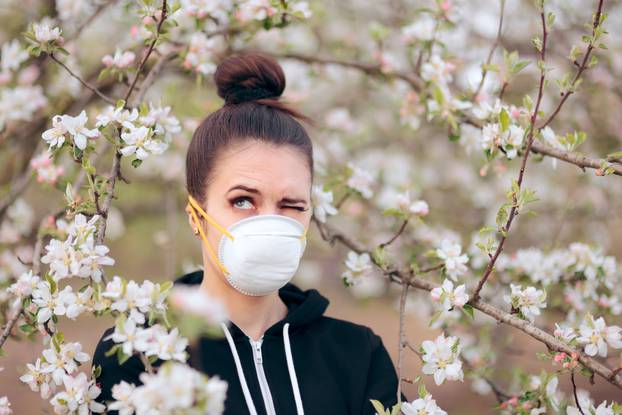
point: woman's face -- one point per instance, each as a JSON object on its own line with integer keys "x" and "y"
{"x": 255, "y": 178}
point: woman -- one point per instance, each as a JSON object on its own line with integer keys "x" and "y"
{"x": 249, "y": 172}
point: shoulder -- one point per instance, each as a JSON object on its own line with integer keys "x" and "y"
{"x": 348, "y": 333}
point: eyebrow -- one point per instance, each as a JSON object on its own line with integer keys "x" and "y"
{"x": 255, "y": 191}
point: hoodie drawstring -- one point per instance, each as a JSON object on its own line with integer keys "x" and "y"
{"x": 238, "y": 365}
{"x": 290, "y": 369}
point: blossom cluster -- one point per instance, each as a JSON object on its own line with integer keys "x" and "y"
{"x": 527, "y": 302}
{"x": 77, "y": 255}
{"x": 422, "y": 406}
{"x": 441, "y": 358}
{"x": 145, "y": 133}
{"x": 442, "y": 103}
{"x": 58, "y": 367}
{"x": 358, "y": 267}
{"x": 454, "y": 260}
{"x": 322, "y": 203}
{"x": 450, "y": 296}
{"x": 594, "y": 335}
{"x": 504, "y": 127}
{"x": 200, "y": 55}
{"x": 186, "y": 389}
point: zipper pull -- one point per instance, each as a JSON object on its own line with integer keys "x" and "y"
{"x": 258, "y": 357}
{"x": 256, "y": 346}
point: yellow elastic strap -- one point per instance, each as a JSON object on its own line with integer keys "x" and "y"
{"x": 304, "y": 234}
{"x": 209, "y": 246}
{"x": 194, "y": 203}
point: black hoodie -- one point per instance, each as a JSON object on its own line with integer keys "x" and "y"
{"x": 334, "y": 366}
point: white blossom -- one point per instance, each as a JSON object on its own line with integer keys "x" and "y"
{"x": 200, "y": 57}
{"x": 140, "y": 141}
{"x": 322, "y": 203}
{"x": 528, "y": 301}
{"x": 74, "y": 126}
{"x": 449, "y": 295}
{"x": 361, "y": 181}
{"x": 20, "y": 103}
{"x": 47, "y": 172}
{"x": 420, "y": 29}
{"x": 163, "y": 124}
{"x": 122, "y": 395}
{"x": 417, "y": 207}
{"x": 59, "y": 363}
{"x": 13, "y": 54}
{"x": 437, "y": 70}
{"x": 358, "y": 266}
{"x": 45, "y": 33}
{"x": 441, "y": 359}
{"x": 194, "y": 301}
{"x": 24, "y": 285}
{"x": 595, "y": 335}
{"x": 254, "y": 10}
{"x": 564, "y": 332}
{"x": 37, "y": 379}
{"x": 455, "y": 261}
{"x": 48, "y": 303}
{"x": 78, "y": 397}
{"x": 119, "y": 115}
{"x": 175, "y": 388}
{"x": 5, "y": 406}
{"x": 422, "y": 406}
{"x": 120, "y": 59}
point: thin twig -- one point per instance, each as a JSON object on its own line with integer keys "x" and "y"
{"x": 368, "y": 68}
{"x": 394, "y": 237}
{"x": 115, "y": 170}
{"x": 574, "y": 392}
{"x": 521, "y": 174}
{"x": 149, "y": 50}
{"x": 402, "y": 341}
{"x": 580, "y": 70}
{"x": 491, "y": 53}
{"x": 82, "y": 81}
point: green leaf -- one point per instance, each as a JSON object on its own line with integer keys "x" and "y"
{"x": 122, "y": 357}
{"x": 616, "y": 155}
{"x": 504, "y": 120}
{"x": 396, "y": 408}
{"x": 97, "y": 371}
{"x": 487, "y": 229}
{"x": 378, "y": 407}
{"x": 435, "y": 317}
{"x": 468, "y": 310}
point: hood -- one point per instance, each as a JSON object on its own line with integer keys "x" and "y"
{"x": 304, "y": 307}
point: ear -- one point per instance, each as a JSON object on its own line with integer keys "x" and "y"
{"x": 191, "y": 221}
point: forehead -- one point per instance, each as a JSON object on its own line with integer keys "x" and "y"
{"x": 266, "y": 166}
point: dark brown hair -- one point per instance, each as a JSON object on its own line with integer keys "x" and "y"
{"x": 251, "y": 84}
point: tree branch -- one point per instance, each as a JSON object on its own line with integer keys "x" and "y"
{"x": 82, "y": 81}
{"x": 552, "y": 343}
{"x": 581, "y": 68}
{"x": 521, "y": 174}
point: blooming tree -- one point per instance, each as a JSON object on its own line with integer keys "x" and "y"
{"x": 458, "y": 117}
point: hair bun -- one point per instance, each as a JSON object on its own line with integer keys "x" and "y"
{"x": 249, "y": 76}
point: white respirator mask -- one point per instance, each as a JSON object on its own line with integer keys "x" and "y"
{"x": 258, "y": 254}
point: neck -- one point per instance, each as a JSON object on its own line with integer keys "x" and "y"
{"x": 252, "y": 314}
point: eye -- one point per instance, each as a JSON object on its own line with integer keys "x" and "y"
{"x": 243, "y": 202}
{"x": 298, "y": 208}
